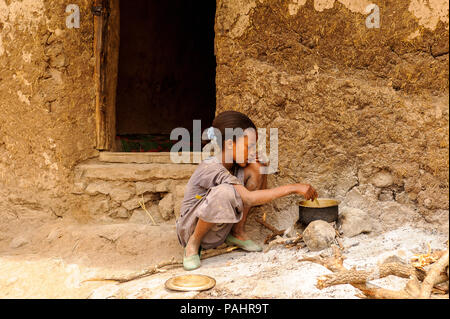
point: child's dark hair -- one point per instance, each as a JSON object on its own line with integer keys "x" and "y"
{"x": 232, "y": 120}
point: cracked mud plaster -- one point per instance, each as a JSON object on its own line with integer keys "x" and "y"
{"x": 343, "y": 95}
{"x": 348, "y": 101}
{"x": 428, "y": 12}
{"x": 358, "y": 6}
{"x": 235, "y": 18}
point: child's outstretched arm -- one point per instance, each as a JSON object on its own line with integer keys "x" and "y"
{"x": 260, "y": 197}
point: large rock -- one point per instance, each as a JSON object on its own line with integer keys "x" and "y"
{"x": 153, "y": 187}
{"x": 120, "y": 194}
{"x": 382, "y": 179}
{"x": 144, "y": 187}
{"x": 354, "y": 221}
{"x": 136, "y": 201}
{"x": 118, "y": 191}
{"x": 179, "y": 195}
{"x": 163, "y": 186}
{"x": 319, "y": 235}
{"x": 99, "y": 187}
{"x": 166, "y": 207}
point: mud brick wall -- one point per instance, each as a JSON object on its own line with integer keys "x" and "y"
{"x": 362, "y": 113}
{"x": 47, "y": 104}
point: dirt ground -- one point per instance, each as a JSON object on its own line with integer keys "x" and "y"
{"x": 52, "y": 259}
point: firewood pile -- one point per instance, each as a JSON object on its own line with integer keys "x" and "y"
{"x": 275, "y": 238}
{"x": 428, "y": 273}
{"x": 428, "y": 276}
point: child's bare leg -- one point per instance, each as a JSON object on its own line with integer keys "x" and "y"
{"x": 195, "y": 240}
{"x": 254, "y": 180}
{"x": 238, "y": 229}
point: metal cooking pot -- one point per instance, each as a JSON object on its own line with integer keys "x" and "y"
{"x": 326, "y": 209}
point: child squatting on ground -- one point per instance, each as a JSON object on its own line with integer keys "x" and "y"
{"x": 222, "y": 190}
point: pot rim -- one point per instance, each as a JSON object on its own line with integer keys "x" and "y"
{"x": 330, "y": 202}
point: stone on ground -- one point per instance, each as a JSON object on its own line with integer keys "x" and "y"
{"x": 319, "y": 235}
{"x": 354, "y": 221}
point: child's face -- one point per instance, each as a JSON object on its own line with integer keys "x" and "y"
{"x": 244, "y": 149}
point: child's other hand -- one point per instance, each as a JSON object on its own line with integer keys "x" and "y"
{"x": 306, "y": 191}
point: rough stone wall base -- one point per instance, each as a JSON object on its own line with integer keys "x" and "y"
{"x": 132, "y": 191}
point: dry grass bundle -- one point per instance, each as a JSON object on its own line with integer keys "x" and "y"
{"x": 142, "y": 204}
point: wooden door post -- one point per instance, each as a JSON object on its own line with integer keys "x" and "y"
{"x": 106, "y": 51}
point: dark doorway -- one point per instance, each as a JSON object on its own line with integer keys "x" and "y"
{"x": 166, "y": 76}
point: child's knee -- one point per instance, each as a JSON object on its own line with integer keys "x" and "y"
{"x": 224, "y": 200}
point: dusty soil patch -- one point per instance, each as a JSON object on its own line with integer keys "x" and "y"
{"x": 53, "y": 259}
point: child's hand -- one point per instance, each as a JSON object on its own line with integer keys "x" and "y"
{"x": 306, "y": 190}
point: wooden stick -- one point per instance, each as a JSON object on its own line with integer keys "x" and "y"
{"x": 363, "y": 276}
{"x": 443, "y": 286}
{"x": 217, "y": 252}
{"x": 335, "y": 264}
{"x": 339, "y": 241}
{"x": 381, "y": 293}
{"x": 269, "y": 238}
{"x": 157, "y": 268}
{"x": 358, "y": 279}
{"x": 284, "y": 241}
{"x": 275, "y": 231}
{"x": 270, "y": 227}
{"x": 423, "y": 260}
{"x": 433, "y": 275}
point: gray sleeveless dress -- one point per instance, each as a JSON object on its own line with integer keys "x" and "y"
{"x": 211, "y": 196}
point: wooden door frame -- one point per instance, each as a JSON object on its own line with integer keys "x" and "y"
{"x": 106, "y": 52}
